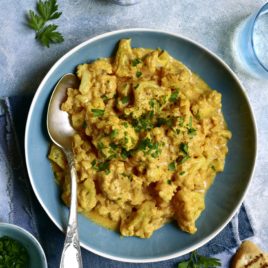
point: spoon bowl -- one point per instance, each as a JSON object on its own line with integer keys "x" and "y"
{"x": 61, "y": 133}
{"x": 58, "y": 124}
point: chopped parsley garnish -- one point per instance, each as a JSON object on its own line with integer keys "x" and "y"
{"x": 97, "y": 112}
{"x": 155, "y": 154}
{"x": 163, "y": 100}
{"x": 166, "y": 121}
{"x": 125, "y": 124}
{"x": 125, "y": 100}
{"x": 197, "y": 116}
{"x": 199, "y": 261}
{"x": 172, "y": 166}
{"x": 101, "y": 166}
{"x": 174, "y": 96}
{"x": 125, "y": 140}
{"x": 127, "y": 176}
{"x": 104, "y": 166}
{"x": 100, "y": 146}
{"x": 191, "y": 130}
{"x": 151, "y": 103}
{"x": 143, "y": 123}
{"x": 13, "y": 253}
{"x": 93, "y": 163}
{"x": 104, "y": 98}
{"x": 190, "y": 122}
{"x": 170, "y": 121}
{"x": 135, "y": 62}
{"x": 148, "y": 147}
{"x": 182, "y": 173}
{"x": 213, "y": 168}
{"x": 144, "y": 144}
{"x": 138, "y": 74}
{"x": 84, "y": 125}
{"x": 177, "y": 131}
{"x": 184, "y": 148}
{"x": 125, "y": 154}
{"x": 180, "y": 121}
{"x": 136, "y": 86}
{"x": 183, "y": 159}
{"x": 113, "y": 146}
{"x": 161, "y": 121}
{"x": 114, "y": 133}
{"x": 169, "y": 182}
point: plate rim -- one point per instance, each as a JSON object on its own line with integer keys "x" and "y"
{"x": 145, "y": 30}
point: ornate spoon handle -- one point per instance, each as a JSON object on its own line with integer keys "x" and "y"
{"x": 71, "y": 255}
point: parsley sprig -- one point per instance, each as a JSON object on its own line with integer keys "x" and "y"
{"x": 199, "y": 261}
{"x": 45, "y": 34}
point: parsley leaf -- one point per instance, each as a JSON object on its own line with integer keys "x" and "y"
{"x": 114, "y": 133}
{"x": 48, "y": 9}
{"x": 125, "y": 154}
{"x": 184, "y": 264}
{"x": 125, "y": 100}
{"x": 184, "y": 148}
{"x": 97, "y": 112}
{"x": 84, "y": 125}
{"x": 93, "y": 163}
{"x": 48, "y": 35}
{"x": 135, "y": 62}
{"x": 104, "y": 166}
{"x": 199, "y": 261}
{"x": 138, "y": 74}
{"x": 172, "y": 166}
{"x": 45, "y": 34}
{"x": 191, "y": 130}
{"x": 100, "y": 146}
{"x": 183, "y": 159}
{"x": 125, "y": 124}
{"x": 174, "y": 95}
{"x": 136, "y": 86}
{"x": 151, "y": 103}
{"x": 213, "y": 168}
{"x": 104, "y": 98}
{"x": 34, "y": 21}
{"x": 113, "y": 146}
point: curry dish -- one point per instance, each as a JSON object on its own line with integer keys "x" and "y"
{"x": 150, "y": 138}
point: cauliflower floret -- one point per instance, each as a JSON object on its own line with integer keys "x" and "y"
{"x": 86, "y": 195}
{"x": 115, "y": 185}
{"x": 188, "y": 205}
{"x": 143, "y": 222}
{"x": 165, "y": 190}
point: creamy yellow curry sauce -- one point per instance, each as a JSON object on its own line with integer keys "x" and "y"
{"x": 150, "y": 139}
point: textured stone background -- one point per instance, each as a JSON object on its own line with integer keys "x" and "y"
{"x": 23, "y": 62}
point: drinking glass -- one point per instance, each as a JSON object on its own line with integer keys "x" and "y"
{"x": 250, "y": 43}
{"x": 126, "y": 2}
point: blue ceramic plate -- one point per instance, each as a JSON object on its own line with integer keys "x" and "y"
{"x": 36, "y": 254}
{"x": 223, "y": 199}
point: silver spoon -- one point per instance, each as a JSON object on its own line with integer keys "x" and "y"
{"x": 61, "y": 133}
